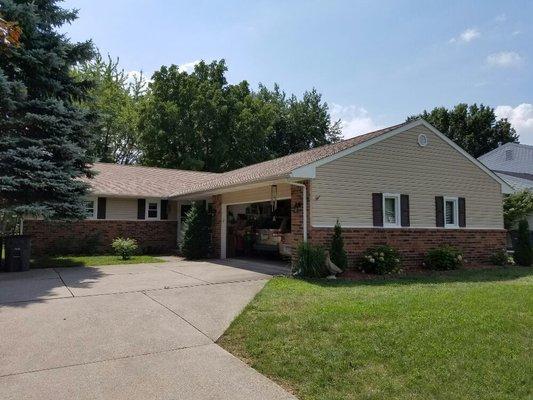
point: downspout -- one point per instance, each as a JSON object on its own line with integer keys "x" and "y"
{"x": 304, "y": 193}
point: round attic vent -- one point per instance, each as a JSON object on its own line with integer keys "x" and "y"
{"x": 422, "y": 140}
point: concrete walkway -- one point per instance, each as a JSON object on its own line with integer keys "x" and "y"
{"x": 143, "y": 331}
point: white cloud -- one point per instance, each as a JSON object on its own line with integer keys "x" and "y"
{"x": 521, "y": 117}
{"x": 467, "y": 36}
{"x": 188, "y": 67}
{"x": 504, "y": 59}
{"x": 501, "y": 18}
{"x": 354, "y": 120}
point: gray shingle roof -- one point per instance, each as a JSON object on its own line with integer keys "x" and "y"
{"x": 279, "y": 167}
{"x": 136, "y": 181}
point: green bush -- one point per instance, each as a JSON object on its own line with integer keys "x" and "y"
{"x": 381, "y": 260}
{"x": 523, "y": 253}
{"x": 311, "y": 261}
{"x": 443, "y": 258}
{"x": 197, "y": 235}
{"x": 502, "y": 258}
{"x": 125, "y": 247}
{"x": 336, "y": 252}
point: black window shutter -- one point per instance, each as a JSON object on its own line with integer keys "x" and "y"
{"x": 462, "y": 212}
{"x": 439, "y": 211}
{"x": 141, "y": 206}
{"x": 164, "y": 209}
{"x": 404, "y": 207}
{"x": 377, "y": 209}
{"x": 100, "y": 214}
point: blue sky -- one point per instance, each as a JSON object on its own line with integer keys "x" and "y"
{"x": 375, "y": 62}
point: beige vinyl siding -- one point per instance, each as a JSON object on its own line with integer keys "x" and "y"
{"x": 121, "y": 209}
{"x": 256, "y": 194}
{"x": 343, "y": 188}
{"x": 126, "y": 209}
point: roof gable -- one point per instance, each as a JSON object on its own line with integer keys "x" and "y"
{"x": 309, "y": 171}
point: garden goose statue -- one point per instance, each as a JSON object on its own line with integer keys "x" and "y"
{"x": 332, "y": 268}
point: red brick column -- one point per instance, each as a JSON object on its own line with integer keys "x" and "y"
{"x": 297, "y": 216}
{"x": 216, "y": 227}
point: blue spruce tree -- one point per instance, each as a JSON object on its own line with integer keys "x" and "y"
{"x": 44, "y": 135}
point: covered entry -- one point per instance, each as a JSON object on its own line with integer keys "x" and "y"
{"x": 259, "y": 229}
{"x": 256, "y": 223}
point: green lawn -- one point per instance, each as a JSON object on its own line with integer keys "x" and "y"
{"x": 458, "y": 335}
{"x": 88, "y": 261}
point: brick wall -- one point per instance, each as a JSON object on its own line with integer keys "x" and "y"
{"x": 413, "y": 243}
{"x": 153, "y": 236}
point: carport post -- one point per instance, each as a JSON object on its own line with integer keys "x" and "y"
{"x": 304, "y": 194}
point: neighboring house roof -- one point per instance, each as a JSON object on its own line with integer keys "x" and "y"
{"x": 279, "y": 167}
{"x": 510, "y": 157}
{"x": 519, "y": 181}
{"x": 136, "y": 181}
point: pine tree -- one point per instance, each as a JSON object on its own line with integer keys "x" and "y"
{"x": 337, "y": 252}
{"x": 44, "y": 134}
{"x": 523, "y": 253}
{"x": 197, "y": 236}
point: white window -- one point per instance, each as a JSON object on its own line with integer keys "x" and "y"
{"x": 451, "y": 212}
{"x": 391, "y": 210}
{"x": 90, "y": 209}
{"x": 152, "y": 209}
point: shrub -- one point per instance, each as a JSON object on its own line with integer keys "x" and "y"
{"x": 502, "y": 258}
{"x": 381, "y": 260}
{"x": 311, "y": 261}
{"x": 336, "y": 251}
{"x": 523, "y": 253}
{"x": 444, "y": 258}
{"x": 197, "y": 235}
{"x": 516, "y": 207}
{"x": 125, "y": 247}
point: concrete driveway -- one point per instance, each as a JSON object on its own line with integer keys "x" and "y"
{"x": 144, "y": 331}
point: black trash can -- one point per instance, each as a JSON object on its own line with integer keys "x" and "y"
{"x": 17, "y": 253}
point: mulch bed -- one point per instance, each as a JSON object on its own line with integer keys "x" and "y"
{"x": 414, "y": 272}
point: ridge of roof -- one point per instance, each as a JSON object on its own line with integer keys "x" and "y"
{"x": 153, "y": 168}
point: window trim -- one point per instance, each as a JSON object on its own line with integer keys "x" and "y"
{"x": 397, "y": 210}
{"x": 147, "y": 209}
{"x": 94, "y": 200}
{"x": 455, "y": 201}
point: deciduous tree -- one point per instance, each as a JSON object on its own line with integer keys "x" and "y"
{"x": 473, "y": 127}
{"x": 199, "y": 121}
{"x": 115, "y": 98}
